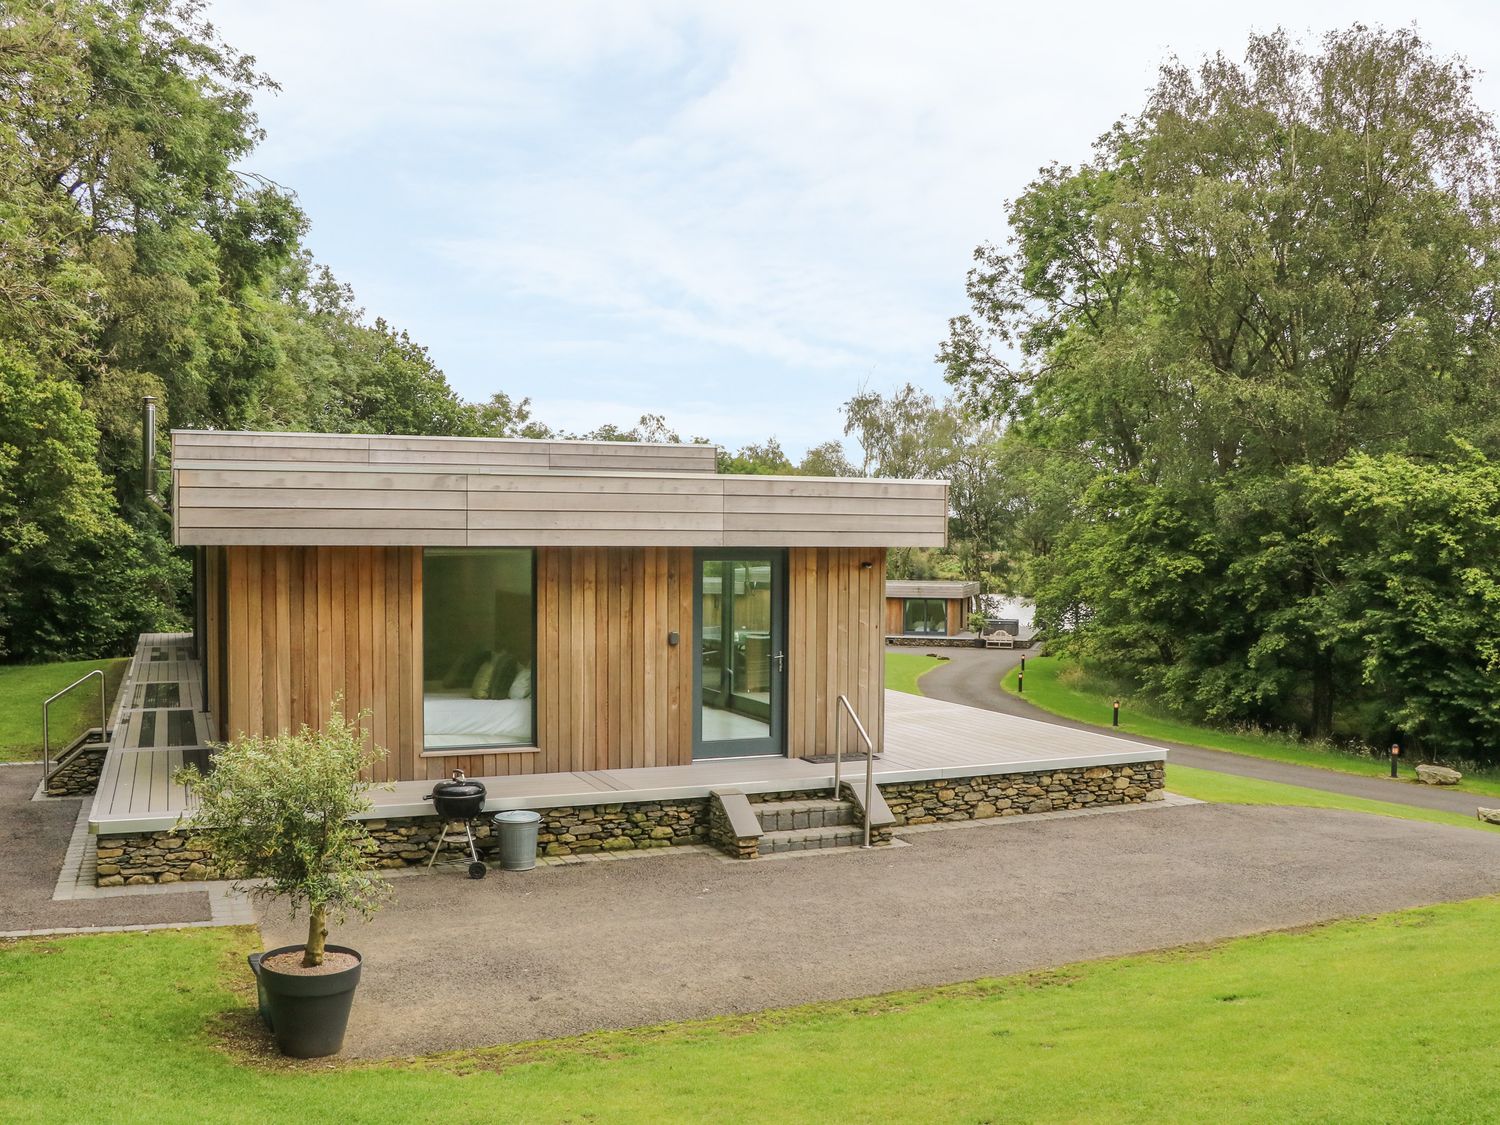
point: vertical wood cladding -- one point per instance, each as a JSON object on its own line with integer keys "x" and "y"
{"x": 309, "y": 624}
{"x": 302, "y": 625}
{"x": 836, "y": 645}
{"x": 611, "y": 692}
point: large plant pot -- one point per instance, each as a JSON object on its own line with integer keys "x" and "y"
{"x": 309, "y": 1013}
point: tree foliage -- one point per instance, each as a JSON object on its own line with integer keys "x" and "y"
{"x": 1281, "y": 265}
{"x": 138, "y": 256}
{"x": 280, "y": 809}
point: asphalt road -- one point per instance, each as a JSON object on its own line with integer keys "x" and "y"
{"x": 972, "y": 678}
{"x": 561, "y": 950}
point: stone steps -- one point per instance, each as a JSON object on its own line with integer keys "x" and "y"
{"x": 811, "y": 839}
{"x": 793, "y": 816}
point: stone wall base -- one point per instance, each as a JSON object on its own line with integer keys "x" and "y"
{"x": 174, "y": 856}
{"x": 80, "y": 776}
{"x": 1015, "y": 794}
{"x": 914, "y": 641}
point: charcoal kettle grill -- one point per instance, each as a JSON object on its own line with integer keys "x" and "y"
{"x": 458, "y": 798}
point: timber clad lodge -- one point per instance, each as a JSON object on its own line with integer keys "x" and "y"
{"x": 643, "y": 650}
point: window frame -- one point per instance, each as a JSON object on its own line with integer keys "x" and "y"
{"x": 531, "y": 747}
{"x": 906, "y": 605}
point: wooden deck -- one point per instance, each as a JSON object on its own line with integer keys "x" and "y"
{"x": 159, "y": 725}
{"x": 925, "y": 739}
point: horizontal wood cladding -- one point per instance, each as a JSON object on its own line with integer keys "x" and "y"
{"x": 611, "y": 692}
{"x": 224, "y": 503}
{"x": 309, "y": 624}
{"x": 836, "y": 646}
{"x": 477, "y": 454}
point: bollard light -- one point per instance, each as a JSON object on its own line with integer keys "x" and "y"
{"x": 1117, "y": 713}
{"x": 1395, "y": 753}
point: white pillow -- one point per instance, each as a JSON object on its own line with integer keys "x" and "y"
{"x": 480, "y": 688}
{"x": 520, "y": 687}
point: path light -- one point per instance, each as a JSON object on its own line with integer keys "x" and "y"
{"x": 1395, "y": 753}
{"x": 1117, "y": 713}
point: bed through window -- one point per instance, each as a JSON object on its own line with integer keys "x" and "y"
{"x": 478, "y": 648}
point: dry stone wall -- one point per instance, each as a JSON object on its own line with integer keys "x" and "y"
{"x": 176, "y": 856}
{"x": 1015, "y": 794}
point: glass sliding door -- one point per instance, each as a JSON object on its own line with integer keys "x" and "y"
{"x": 740, "y": 649}
{"x": 926, "y": 616}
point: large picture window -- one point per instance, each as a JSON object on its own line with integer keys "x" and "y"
{"x": 926, "y": 615}
{"x": 478, "y": 648}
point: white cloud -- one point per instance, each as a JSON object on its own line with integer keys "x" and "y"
{"x": 791, "y": 185}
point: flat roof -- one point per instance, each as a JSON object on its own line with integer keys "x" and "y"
{"x": 293, "y": 489}
{"x": 931, "y": 588}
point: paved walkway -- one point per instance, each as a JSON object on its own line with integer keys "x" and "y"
{"x": 560, "y": 950}
{"x": 972, "y": 677}
{"x": 43, "y": 888}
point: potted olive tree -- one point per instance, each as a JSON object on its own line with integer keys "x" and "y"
{"x": 278, "y": 810}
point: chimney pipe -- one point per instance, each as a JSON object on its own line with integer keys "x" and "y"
{"x": 148, "y": 446}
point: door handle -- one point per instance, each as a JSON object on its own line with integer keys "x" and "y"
{"x": 781, "y": 662}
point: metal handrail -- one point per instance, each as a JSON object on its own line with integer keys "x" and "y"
{"x": 47, "y": 718}
{"x": 838, "y": 759}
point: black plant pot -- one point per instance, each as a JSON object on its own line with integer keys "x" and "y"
{"x": 309, "y": 1013}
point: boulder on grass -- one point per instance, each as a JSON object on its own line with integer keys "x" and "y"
{"x": 1438, "y": 775}
{"x": 1489, "y": 816}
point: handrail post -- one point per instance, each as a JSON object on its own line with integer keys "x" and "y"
{"x": 47, "y": 717}
{"x": 845, "y": 705}
{"x": 869, "y": 784}
{"x": 838, "y": 751}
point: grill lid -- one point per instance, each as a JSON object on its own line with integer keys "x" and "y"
{"x": 458, "y": 786}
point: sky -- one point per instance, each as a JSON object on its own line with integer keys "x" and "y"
{"x": 734, "y": 214}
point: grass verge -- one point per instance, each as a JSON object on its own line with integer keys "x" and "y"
{"x": 1062, "y": 688}
{"x": 24, "y": 686}
{"x": 1207, "y": 785}
{"x": 904, "y": 669}
{"x": 1364, "y": 1020}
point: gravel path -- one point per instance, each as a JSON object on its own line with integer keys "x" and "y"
{"x": 33, "y": 838}
{"x": 972, "y": 677}
{"x": 561, "y": 950}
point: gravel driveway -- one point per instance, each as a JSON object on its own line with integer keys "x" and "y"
{"x": 561, "y": 950}
{"x": 33, "y": 837}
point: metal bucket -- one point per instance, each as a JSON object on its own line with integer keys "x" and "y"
{"x": 518, "y": 829}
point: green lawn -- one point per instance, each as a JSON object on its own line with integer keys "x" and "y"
{"x": 1207, "y": 785}
{"x": 1374, "y": 1019}
{"x": 904, "y": 669}
{"x": 1055, "y": 685}
{"x": 24, "y": 686}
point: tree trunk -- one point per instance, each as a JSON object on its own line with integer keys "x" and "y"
{"x": 1322, "y": 696}
{"x": 317, "y": 936}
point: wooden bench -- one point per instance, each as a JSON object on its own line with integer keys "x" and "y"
{"x": 999, "y": 639}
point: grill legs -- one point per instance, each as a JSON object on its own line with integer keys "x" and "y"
{"x": 476, "y": 866}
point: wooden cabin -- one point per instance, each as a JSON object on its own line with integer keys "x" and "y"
{"x": 514, "y": 606}
{"x": 929, "y": 608}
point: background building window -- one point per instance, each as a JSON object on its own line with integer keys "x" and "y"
{"x": 926, "y": 615}
{"x": 478, "y": 648}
